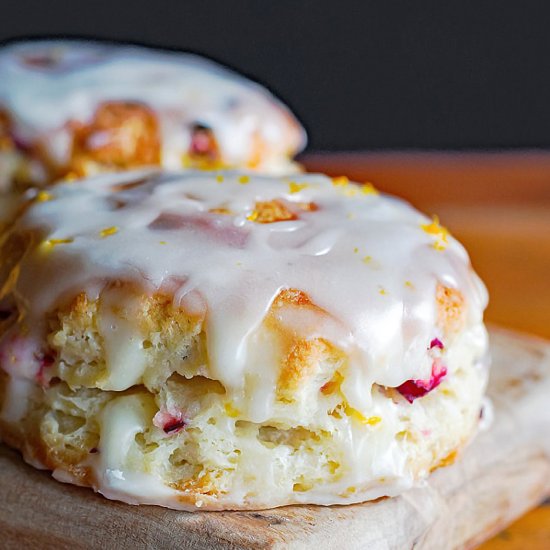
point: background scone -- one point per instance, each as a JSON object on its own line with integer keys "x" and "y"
{"x": 75, "y": 108}
{"x": 224, "y": 341}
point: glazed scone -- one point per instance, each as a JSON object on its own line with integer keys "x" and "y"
{"x": 226, "y": 341}
{"x": 74, "y": 108}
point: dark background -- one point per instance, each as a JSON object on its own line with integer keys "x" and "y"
{"x": 360, "y": 75}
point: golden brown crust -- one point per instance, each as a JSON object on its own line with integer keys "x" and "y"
{"x": 259, "y": 152}
{"x": 271, "y": 212}
{"x": 121, "y": 135}
{"x": 81, "y": 310}
{"x": 171, "y": 337}
{"x": 6, "y": 142}
{"x": 451, "y": 309}
{"x": 72, "y": 329}
{"x": 303, "y": 360}
{"x": 194, "y": 487}
{"x": 302, "y": 363}
{"x": 159, "y": 315}
{"x": 291, "y": 296}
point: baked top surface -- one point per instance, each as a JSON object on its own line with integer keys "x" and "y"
{"x": 370, "y": 261}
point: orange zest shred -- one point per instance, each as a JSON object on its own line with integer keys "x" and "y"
{"x": 349, "y": 491}
{"x": 253, "y": 216}
{"x": 438, "y": 231}
{"x": 333, "y": 384}
{"x": 351, "y": 191}
{"x": 307, "y": 206}
{"x": 70, "y": 176}
{"x": 294, "y": 187}
{"x": 108, "y": 231}
{"x": 44, "y": 196}
{"x": 446, "y": 461}
{"x": 55, "y": 242}
{"x": 356, "y": 415}
{"x": 221, "y": 210}
{"x": 368, "y": 189}
{"x": 340, "y": 181}
{"x": 231, "y": 411}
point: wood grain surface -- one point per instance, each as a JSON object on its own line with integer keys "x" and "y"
{"x": 498, "y": 205}
{"x": 501, "y": 475}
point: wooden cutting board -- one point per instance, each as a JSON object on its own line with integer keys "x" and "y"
{"x": 504, "y": 473}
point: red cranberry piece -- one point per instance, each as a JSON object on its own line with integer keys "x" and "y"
{"x": 174, "y": 427}
{"x": 203, "y": 142}
{"x": 413, "y": 389}
{"x": 436, "y": 343}
{"x": 45, "y": 361}
{"x": 170, "y": 423}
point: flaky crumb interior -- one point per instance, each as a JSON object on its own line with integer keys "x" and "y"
{"x": 171, "y": 421}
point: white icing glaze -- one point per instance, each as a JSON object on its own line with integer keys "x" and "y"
{"x": 18, "y": 393}
{"x": 363, "y": 258}
{"x": 45, "y": 84}
{"x": 114, "y": 329}
{"x": 121, "y": 421}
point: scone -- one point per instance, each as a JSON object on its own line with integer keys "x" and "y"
{"x": 75, "y": 108}
{"x": 227, "y": 341}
